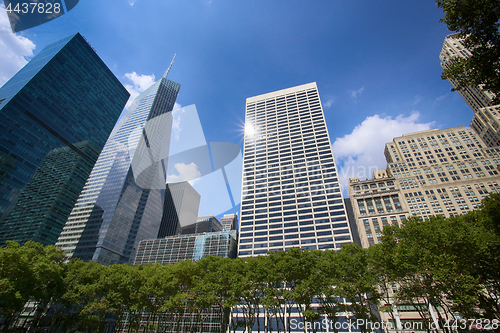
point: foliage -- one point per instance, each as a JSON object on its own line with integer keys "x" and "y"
{"x": 477, "y": 22}
{"x": 450, "y": 263}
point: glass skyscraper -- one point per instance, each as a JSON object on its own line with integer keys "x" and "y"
{"x": 55, "y": 116}
{"x": 122, "y": 201}
{"x": 291, "y": 194}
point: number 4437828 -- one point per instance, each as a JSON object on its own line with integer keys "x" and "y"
{"x": 34, "y": 7}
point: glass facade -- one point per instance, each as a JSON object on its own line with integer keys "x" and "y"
{"x": 122, "y": 201}
{"x": 172, "y": 249}
{"x": 55, "y": 116}
{"x": 205, "y": 223}
{"x": 291, "y": 195}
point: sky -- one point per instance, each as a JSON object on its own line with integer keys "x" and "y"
{"x": 376, "y": 63}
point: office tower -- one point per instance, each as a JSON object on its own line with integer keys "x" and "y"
{"x": 376, "y": 203}
{"x": 291, "y": 195}
{"x": 204, "y": 223}
{"x": 229, "y": 222}
{"x": 474, "y": 96}
{"x": 55, "y": 116}
{"x": 45, "y": 203}
{"x": 442, "y": 172}
{"x": 436, "y": 172}
{"x": 486, "y": 122}
{"x": 180, "y": 209}
{"x": 122, "y": 201}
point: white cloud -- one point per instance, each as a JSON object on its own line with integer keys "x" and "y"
{"x": 176, "y": 122}
{"x": 139, "y": 83}
{"x": 356, "y": 93}
{"x": 15, "y": 49}
{"x": 185, "y": 172}
{"x": 132, "y": 2}
{"x": 360, "y": 153}
{"x": 441, "y": 97}
{"x": 329, "y": 102}
{"x": 417, "y": 100}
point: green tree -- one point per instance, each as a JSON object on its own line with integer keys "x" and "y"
{"x": 356, "y": 281}
{"x": 157, "y": 289}
{"x": 450, "y": 263}
{"x": 298, "y": 271}
{"x": 15, "y": 281}
{"x": 30, "y": 272}
{"x": 477, "y": 22}
{"x": 331, "y": 304}
{"x": 84, "y": 291}
{"x": 182, "y": 282}
{"x": 216, "y": 284}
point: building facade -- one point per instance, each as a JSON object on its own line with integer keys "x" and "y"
{"x": 291, "y": 195}
{"x": 436, "y": 172}
{"x": 376, "y": 203}
{"x": 486, "y": 120}
{"x": 122, "y": 201}
{"x": 192, "y": 247}
{"x": 442, "y": 172}
{"x": 64, "y": 103}
{"x": 172, "y": 249}
{"x": 486, "y": 123}
{"x": 204, "y": 223}
{"x": 476, "y": 97}
{"x": 180, "y": 209}
{"x": 229, "y": 222}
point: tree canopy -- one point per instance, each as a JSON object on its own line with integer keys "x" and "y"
{"x": 451, "y": 263}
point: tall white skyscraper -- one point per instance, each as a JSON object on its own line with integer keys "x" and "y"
{"x": 291, "y": 195}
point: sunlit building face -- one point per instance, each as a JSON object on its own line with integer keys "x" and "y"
{"x": 291, "y": 195}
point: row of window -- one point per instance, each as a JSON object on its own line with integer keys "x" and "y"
{"x": 374, "y": 185}
{"x": 258, "y": 236}
{"x": 302, "y": 203}
{"x": 284, "y": 142}
{"x": 290, "y": 114}
{"x": 294, "y": 243}
{"x": 274, "y": 153}
{"x": 280, "y": 100}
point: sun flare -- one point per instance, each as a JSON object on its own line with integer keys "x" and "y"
{"x": 249, "y": 130}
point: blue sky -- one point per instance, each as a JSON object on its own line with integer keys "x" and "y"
{"x": 376, "y": 63}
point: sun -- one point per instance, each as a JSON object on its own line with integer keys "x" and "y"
{"x": 249, "y": 130}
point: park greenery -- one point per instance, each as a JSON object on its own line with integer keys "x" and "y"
{"x": 452, "y": 263}
{"x": 478, "y": 23}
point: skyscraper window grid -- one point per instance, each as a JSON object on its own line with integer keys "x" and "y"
{"x": 64, "y": 101}
{"x": 113, "y": 213}
{"x": 291, "y": 195}
{"x": 476, "y": 97}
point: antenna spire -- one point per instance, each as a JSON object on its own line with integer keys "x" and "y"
{"x": 168, "y": 69}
